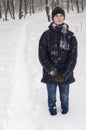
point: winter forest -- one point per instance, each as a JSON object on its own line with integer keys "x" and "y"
{"x": 20, "y": 8}
{"x": 23, "y": 97}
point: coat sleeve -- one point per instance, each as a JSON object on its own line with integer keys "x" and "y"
{"x": 72, "y": 58}
{"x": 44, "y": 55}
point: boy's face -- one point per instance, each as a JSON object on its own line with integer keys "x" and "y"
{"x": 58, "y": 19}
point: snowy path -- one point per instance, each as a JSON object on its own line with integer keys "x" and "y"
{"x": 23, "y": 99}
{"x": 24, "y": 91}
{"x": 7, "y": 54}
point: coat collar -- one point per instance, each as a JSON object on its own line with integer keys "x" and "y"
{"x": 58, "y": 28}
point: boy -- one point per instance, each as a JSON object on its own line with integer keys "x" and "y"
{"x": 58, "y": 57}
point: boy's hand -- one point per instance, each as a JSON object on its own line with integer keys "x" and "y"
{"x": 53, "y": 72}
{"x": 59, "y": 78}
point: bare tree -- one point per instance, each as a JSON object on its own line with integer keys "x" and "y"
{"x": 77, "y": 5}
{"x": 4, "y": 2}
{"x": 30, "y": 4}
{"x": 20, "y": 9}
{"x": 62, "y": 3}
{"x": 72, "y": 5}
{"x": 0, "y": 10}
{"x": 56, "y": 3}
{"x": 7, "y": 8}
{"x": 82, "y": 5}
{"x": 25, "y": 7}
{"x": 52, "y": 4}
{"x": 68, "y": 6}
{"x": 47, "y": 10}
{"x": 33, "y": 10}
{"x": 12, "y": 8}
{"x": 41, "y": 5}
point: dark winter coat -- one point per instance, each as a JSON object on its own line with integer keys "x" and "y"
{"x": 52, "y": 56}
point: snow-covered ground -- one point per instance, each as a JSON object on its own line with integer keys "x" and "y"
{"x": 23, "y": 98}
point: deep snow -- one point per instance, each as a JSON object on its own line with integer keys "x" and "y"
{"x": 23, "y": 98}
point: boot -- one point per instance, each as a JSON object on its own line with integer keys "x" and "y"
{"x": 64, "y": 111}
{"x": 53, "y": 110}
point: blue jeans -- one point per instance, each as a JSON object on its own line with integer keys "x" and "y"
{"x": 64, "y": 95}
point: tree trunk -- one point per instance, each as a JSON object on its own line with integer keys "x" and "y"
{"x": 0, "y": 10}
{"x": 62, "y": 3}
{"x": 25, "y": 7}
{"x": 12, "y": 8}
{"x": 5, "y": 9}
{"x": 77, "y": 5}
{"x": 52, "y": 4}
{"x": 20, "y": 9}
{"x": 41, "y": 3}
{"x": 33, "y": 10}
{"x": 30, "y": 7}
{"x": 47, "y": 10}
{"x": 68, "y": 6}
{"x": 56, "y": 3}
{"x": 82, "y": 5}
{"x": 9, "y": 7}
{"x": 72, "y": 5}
